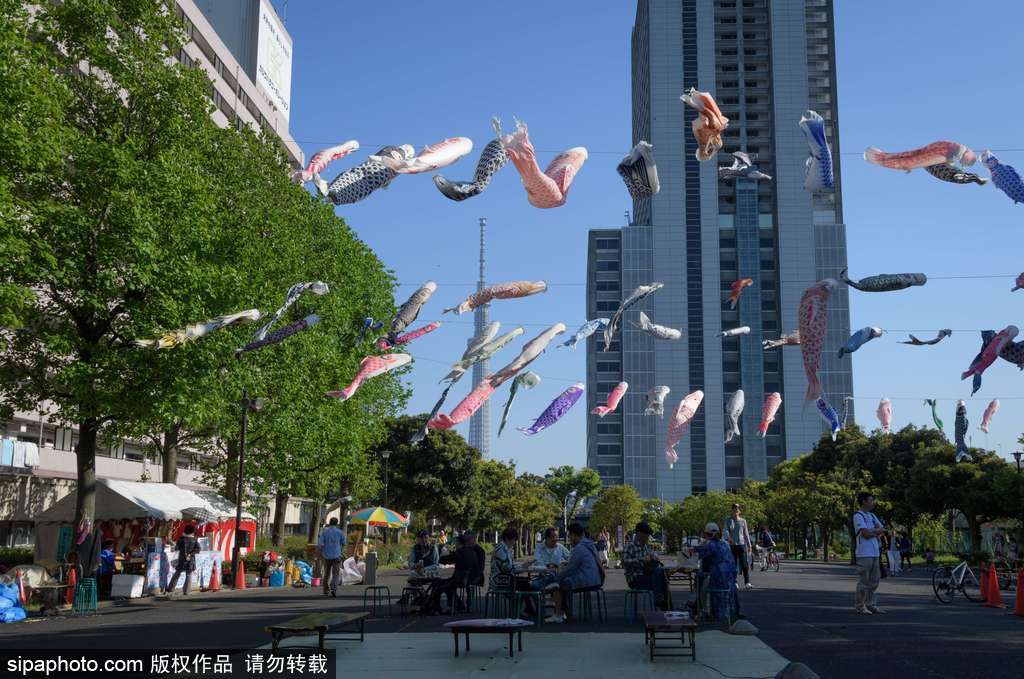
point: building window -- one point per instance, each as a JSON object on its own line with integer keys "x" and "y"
{"x": 605, "y": 305}
{"x": 603, "y": 388}
{"x": 609, "y": 449}
{"x": 608, "y": 265}
{"x": 609, "y": 428}
{"x": 607, "y": 243}
{"x": 608, "y": 286}
{"x": 133, "y": 452}
{"x": 609, "y": 367}
{"x": 765, "y": 221}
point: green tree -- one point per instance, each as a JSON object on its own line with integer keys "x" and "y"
{"x": 654, "y": 509}
{"x": 570, "y": 486}
{"x": 616, "y": 506}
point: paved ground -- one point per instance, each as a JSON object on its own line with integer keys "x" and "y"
{"x": 804, "y": 613}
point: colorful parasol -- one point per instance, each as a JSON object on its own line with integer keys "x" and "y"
{"x": 379, "y": 516}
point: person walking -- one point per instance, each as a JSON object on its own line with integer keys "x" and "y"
{"x": 332, "y": 542}
{"x": 603, "y": 538}
{"x": 738, "y": 537}
{"x": 187, "y": 547}
{"x": 868, "y": 529}
{"x": 906, "y": 550}
{"x": 889, "y": 542}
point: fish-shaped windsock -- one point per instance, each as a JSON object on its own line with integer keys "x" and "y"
{"x": 680, "y": 422}
{"x": 792, "y": 338}
{"x": 734, "y": 409}
{"x": 638, "y": 294}
{"x": 432, "y": 157}
{"x": 884, "y": 414}
{"x": 357, "y": 183}
{"x": 846, "y": 408}
{"x": 1004, "y": 177}
{"x": 294, "y": 292}
{"x": 384, "y": 343}
{"x": 953, "y": 174}
{"x": 584, "y": 331}
{"x": 486, "y": 335}
{"x": 368, "y": 325}
{"x": 527, "y": 355}
{"x": 818, "y": 173}
{"x": 1018, "y": 284}
{"x": 709, "y": 125}
{"x": 554, "y": 412}
{"x": 614, "y": 396}
{"x": 741, "y": 168}
{"x": 639, "y": 172}
{"x": 465, "y": 409}
{"x": 527, "y": 380}
{"x": 990, "y": 411}
{"x": 656, "y": 331}
{"x": 859, "y": 339}
{"x": 948, "y": 152}
{"x": 991, "y": 352}
{"x": 886, "y": 282}
{"x": 736, "y": 289}
{"x": 943, "y": 334}
{"x": 549, "y": 188}
{"x": 475, "y": 354}
{"x": 370, "y": 367}
{"x": 986, "y": 337}
{"x": 932, "y": 403}
{"x": 734, "y": 332}
{"x": 771, "y": 406}
{"x": 509, "y": 290}
{"x": 960, "y": 425}
{"x": 828, "y": 413}
{"x": 324, "y": 157}
{"x": 1013, "y": 352}
{"x": 656, "y": 401}
{"x": 492, "y": 159}
{"x": 191, "y": 333}
{"x": 280, "y": 335}
{"x": 813, "y": 318}
{"x": 410, "y": 309}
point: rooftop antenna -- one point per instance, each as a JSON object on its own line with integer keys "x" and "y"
{"x": 627, "y": 218}
{"x": 480, "y": 423}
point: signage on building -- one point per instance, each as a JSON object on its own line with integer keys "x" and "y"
{"x": 274, "y": 60}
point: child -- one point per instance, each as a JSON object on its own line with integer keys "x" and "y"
{"x": 929, "y": 556}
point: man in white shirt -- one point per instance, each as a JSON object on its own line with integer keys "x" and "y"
{"x": 868, "y": 528}
{"x": 550, "y": 553}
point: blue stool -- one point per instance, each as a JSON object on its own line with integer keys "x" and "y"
{"x": 380, "y": 595}
{"x": 85, "y": 598}
{"x": 634, "y": 596}
{"x": 584, "y": 609}
{"x": 538, "y": 602}
{"x": 503, "y": 601}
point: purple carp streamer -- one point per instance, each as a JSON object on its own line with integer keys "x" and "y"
{"x": 886, "y": 282}
{"x": 639, "y": 172}
{"x": 556, "y": 410}
{"x": 280, "y": 335}
{"x": 193, "y": 332}
{"x": 509, "y": 290}
{"x": 638, "y": 294}
{"x": 294, "y": 292}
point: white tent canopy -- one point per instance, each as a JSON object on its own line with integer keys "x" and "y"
{"x": 139, "y": 500}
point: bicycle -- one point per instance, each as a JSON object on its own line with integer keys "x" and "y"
{"x": 767, "y": 559}
{"x": 948, "y": 581}
{"x": 1004, "y": 573}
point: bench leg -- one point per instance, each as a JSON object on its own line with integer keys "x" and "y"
{"x": 277, "y": 640}
{"x": 520, "y": 641}
{"x": 511, "y": 638}
{"x": 467, "y": 642}
{"x": 321, "y": 642}
{"x": 362, "y": 629}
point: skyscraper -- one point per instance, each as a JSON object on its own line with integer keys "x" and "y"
{"x": 480, "y": 422}
{"x": 766, "y": 63}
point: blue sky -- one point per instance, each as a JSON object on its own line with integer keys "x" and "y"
{"x": 404, "y": 72}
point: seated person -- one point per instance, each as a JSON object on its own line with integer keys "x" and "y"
{"x": 550, "y": 553}
{"x": 582, "y": 572}
{"x": 467, "y": 566}
{"x": 643, "y": 569}
{"x": 424, "y": 554}
{"x": 477, "y": 577}
{"x": 718, "y": 565}
{"x": 503, "y": 567}
{"x": 106, "y": 567}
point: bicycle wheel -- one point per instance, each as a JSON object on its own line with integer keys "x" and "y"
{"x": 775, "y": 563}
{"x": 971, "y": 587}
{"x": 942, "y": 584}
{"x": 1005, "y": 578}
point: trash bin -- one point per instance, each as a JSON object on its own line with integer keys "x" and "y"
{"x": 371, "y": 569}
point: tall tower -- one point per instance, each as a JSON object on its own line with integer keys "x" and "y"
{"x": 480, "y": 423}
{"x": 766, "y": 62}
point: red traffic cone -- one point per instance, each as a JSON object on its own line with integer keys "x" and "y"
{"x": 21, "y": 588}
{"x": 215, "y": 577}
{"x": 984, "y": 583}
{"x": 240, "y": 575}
{"x": 994, "y": 599}
{"x": 1018, "y": 604}
{"x": 69, "y": 595}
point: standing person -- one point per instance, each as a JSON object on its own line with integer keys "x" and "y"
{"x": 906, "y": 550}
{"x": 187, "y": 547}
{"x": 998, "y": 543}
{"x": 738, "y": 537}
{"x": 1012, "y": 551}
{"x": 603, "y": 538}
{"x": 107, "y": 565}
{"x": 890, "y": 544}
{"x": 868, "y": 529}
{"x": 332, "y": 542}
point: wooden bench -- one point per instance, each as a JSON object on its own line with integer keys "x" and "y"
{"x": 319, "y": 624}
{"x": 512, "y": 627}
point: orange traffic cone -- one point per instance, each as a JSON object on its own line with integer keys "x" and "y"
{"x": 21, "y": 588}
{"x": 1018, "y": 605}
{"x": 994, "y": 599}
{"x": 984, "y": 583}
{"x": 215, "y": 578}
{"x": 69, "y": 596}
{"x": 240, "y": 575}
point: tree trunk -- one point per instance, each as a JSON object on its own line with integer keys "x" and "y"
{"x": 280, "y": 508}
{"x": 169, "y": 453}
{"x": 975, "y": 528}
{"x": 85, "y": 495}
{"x": 231, "y": 471}
{"x": 344, "y": 490}
{"x": 826, "y": 535}
{"x": 315, "y": 519}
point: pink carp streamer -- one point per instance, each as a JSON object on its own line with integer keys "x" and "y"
{"x": 509, "y": 290}
{"x": 321, "y": 159}
{"x": 432, "y": 157}
{"x": 383, "y": 344}
{"x": 614, "y": 396}
{"x": 709, "y": 125}
{"x": 371, "y": 367}
{"x": 546, "y": 189}
{"x": 990, "y": 411}
{"x": 946, "y": 152}
{"x": 768, "y": 411}
{"x": 679, "y": 423}
{"x": 466, "y": 408}
{"x": 884, "y": 414}
{"x": 991, "y": 352}
{"x": 737, "y": 290}
{"x": 813, "y": 320}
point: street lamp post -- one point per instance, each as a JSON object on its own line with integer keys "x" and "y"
{"x": 1016, "y": 456}
{"x": 248, "y": 404}
{"x": 386, "y": 454}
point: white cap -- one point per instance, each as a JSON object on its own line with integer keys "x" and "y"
{"x": 712, "y": 527}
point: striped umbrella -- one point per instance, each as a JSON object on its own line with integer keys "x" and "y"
{"x": 379, "y": 516}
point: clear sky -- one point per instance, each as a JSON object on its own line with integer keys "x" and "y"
{"x": 410, "y": 72}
